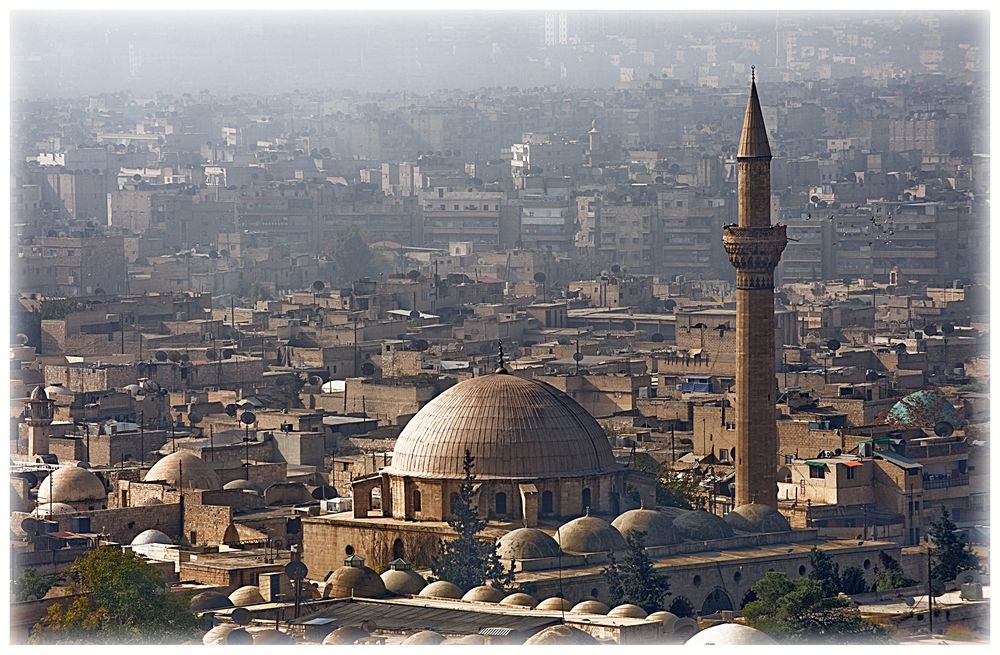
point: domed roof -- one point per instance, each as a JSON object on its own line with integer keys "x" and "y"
{"x": 560, "y": 635}
{"x": 666, "y": 618}
{"x": 659, "y": 527}
{"x": 38, "y": 393}
{"x": 52, "y": 509}
{"x": 590, "y": 607}
{"x": 629, "y": 611}
{"x": 442, "y": 589}
{"x": 218, "y": 635}
{"x": 240, "y": 484}
{"x": 555, "y": 604}
{"x": 923, "y": 409}
{"x": 730, "y": 634}
{"x": 757, "y": 517}
{"x": 271, "y": 637}
{"x": 210, "y": 600}
{"x": 196, "y": 473}
{"x": 526, "y": 543}
{"x": 516, "y": 428}
{"x": 700, "y": 525}
{"x": 471, "y": 640}
{"x": 357, "y": 581}
{"x": 423, "y": 638}
{"x": 247, "y": 595}
{"x": 344, "y": 635}
{"x": 72, "y": 484}
{"x": 150, "y": 537}
{"x": 519, "y": 600}
{"x": 403, "y": 582}
{"x": 589, "y": 534}
{"x": 484, "y": 594}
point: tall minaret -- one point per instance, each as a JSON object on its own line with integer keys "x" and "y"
{"x": 754, "y": 247}
{"x": 38, "y": 411}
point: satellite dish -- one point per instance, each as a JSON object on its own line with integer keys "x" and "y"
{"x": 420, "y": 345}
{"x": 194, "y": 417}
{"x": 670, "y": 304}
{"x": 615, "y": 268}
{"x": 213, "y": 254}
{"x": 414, "y": 314}
{"x": 211, "y": 354}
{"x": 947, "y": 328}
{"x": 31, "y": 526}
{"x": 315, "y": 379}
{"x": 930, "y": 330}
{"x": 657, "y": 337}
{"x": 22, "y": 338}
{"x": 937, "y": 587}
{"x": 413, "y": 275}
{"x": 296, "y": 570}
{"x": 943, "y": 429}
{"x": 318, "y": 285}
{"x": 900, "y": 348}
{"x": 248, "y": 418}
{"x": 969, "y": 576}
{"x": 578, "y": 357}
{"x": 367, "y": 368}
{"x": 838, "y": 452}
{"x": 240, "y": 616}
{"x": 231, "y": 409}
{"x": 160, "y": 356}
{"x": 368, "y": 626}
{"x": 174, "y": 356}
{"x": 910, "y": 601}
{"x": 539, "y": 277}
{"x": 629, "y": 325}
{"x": 833, "y": 345}
{"x": 227, "y": 353}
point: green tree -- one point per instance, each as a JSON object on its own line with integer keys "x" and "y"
{"x": 469, "y": 561}
{"x": 950, "y": 552}
{"x": 352, "y": 258}
{"x": 824, "y": 571}
{"x": 799, "y": 612}
{"x": 126, "y": 601}
{"x": 852, "y": 581}
{"x": 31, "y": 586}
{"x": 890, "y": 575}
{"x": 633, "y": 580}
{"x": 675, "y": 489}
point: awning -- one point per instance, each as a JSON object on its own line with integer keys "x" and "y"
{"x": 851, "y": 464}
{"x": 817, "y": 464}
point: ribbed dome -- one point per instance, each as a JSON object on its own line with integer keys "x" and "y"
{"x": 555, "y": 604}
{"x": 210, "y": 600}
{"x": 702, "y": 526}
{"x": 659, "y": 527}
{"x": 730, "y": 634}
{"x": 72, "y": 484}
{"x": 403, "y": 582}
{"x": 590, "y": 607}
{"x": 357, "y": 581}
{"x": 442, "y": 589}
{"x": 484, "y": 594}
{"x": 757, "y": 517}
{"x": 526, "y": 543}
{"x": 196, "y": 473}
{"x": 344, "y": 635}
{"x": 556, "y": 635}
{"x": 247, "y": 595}
{"x": 423, "y": 638}
{"x": 519, "y": 600}
{"x": 239, "y": 484}
{"x": 38, "y": 393}
{"x": 150, "y": 537}
{"x": 628, "y": 611}
{"x": 516, "y": 428}
{"x": 589, "y": 534}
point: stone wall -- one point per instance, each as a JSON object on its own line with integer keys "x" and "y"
{"x": 206, "y": 524}
{"x": 120, "y": 524}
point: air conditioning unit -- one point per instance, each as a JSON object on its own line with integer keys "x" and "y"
{"x": 679, "y": 387}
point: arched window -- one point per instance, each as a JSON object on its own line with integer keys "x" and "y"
{"x": 586, "y": 499}
{"x": 546, "y": 502}
{"x": 416, "y": 501}
{"x": 501, "y": 503}
{"x": 716, "y": 601}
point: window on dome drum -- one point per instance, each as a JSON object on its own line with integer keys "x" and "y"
{"x": 586, "y": 499}
{"x": 501, "y": 503}
{"x": 416, "y": 501}
{"x": 546, "y": 502}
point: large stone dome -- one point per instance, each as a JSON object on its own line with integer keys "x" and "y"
{"x": 659, "y": 527}
{"x": 356, "y": 581}
{"x": 702, "y": 526}
{"x": 730, "y": 634}
{"x": 71, "y": 485}
{"x": 757, "y": 517}
{"x": 589, "y": 534}
{"x": 195, "y": 472}
{"x": 526, "y": 543}
{"x": 516, "y": 428}
{"x": 246, "y": 595}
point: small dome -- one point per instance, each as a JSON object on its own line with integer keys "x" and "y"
{"x": 673, "y": 512}
{"x": 147, "y": 385}
{"x": 271, "y": 637}
{"x": 344, "y": 636}
{"x": 589, "y": 534}
{"x": 242, "y": 485}
{"x": 470, "y": 640}
{"x": 555, "y": 604}
{"x": 55, "y": 390}
{"x": 210, "y": 600}
{"x": 248, "y": 595}
{"x": 356, "y": 581}
{"x": 659, "y": 527}
{"x": 526, "y": 543}
{"x": 757, "y": 517}
{"x": 51, "y": 509}
{"x": 590, "y": 607}
{"x": 133, "y": 390}
{"x": 196, "y": 473}
{"x": 484, "y": 594}
{"x": 628, "y": 611}
{"x": 150, "y": 537}
{"x": 38, "y": 393}
{"x": 403, "y": 582}
{"x": 218, "y": 635}
{"x": 666, "y": 618}
{"x": 923, "y": 409}
{"x": 702, "y": 526}
{"x": 442, "y": 589}
{"x": 556, "y": 635}
{"x": 730, "y": 634}
{"x": 72, "y": 484}
{"x": 423, "y": 638}
{"x": 519, "y": 600}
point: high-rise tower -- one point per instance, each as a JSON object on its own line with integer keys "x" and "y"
{"x": 754, "y": 247}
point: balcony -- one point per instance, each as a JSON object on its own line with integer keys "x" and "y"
{"x": 945, "y": 481}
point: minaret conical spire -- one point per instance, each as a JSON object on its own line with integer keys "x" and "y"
{"x": 753, "y": 138}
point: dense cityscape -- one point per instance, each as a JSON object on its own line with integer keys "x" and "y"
{"x": 500, "y": 328}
